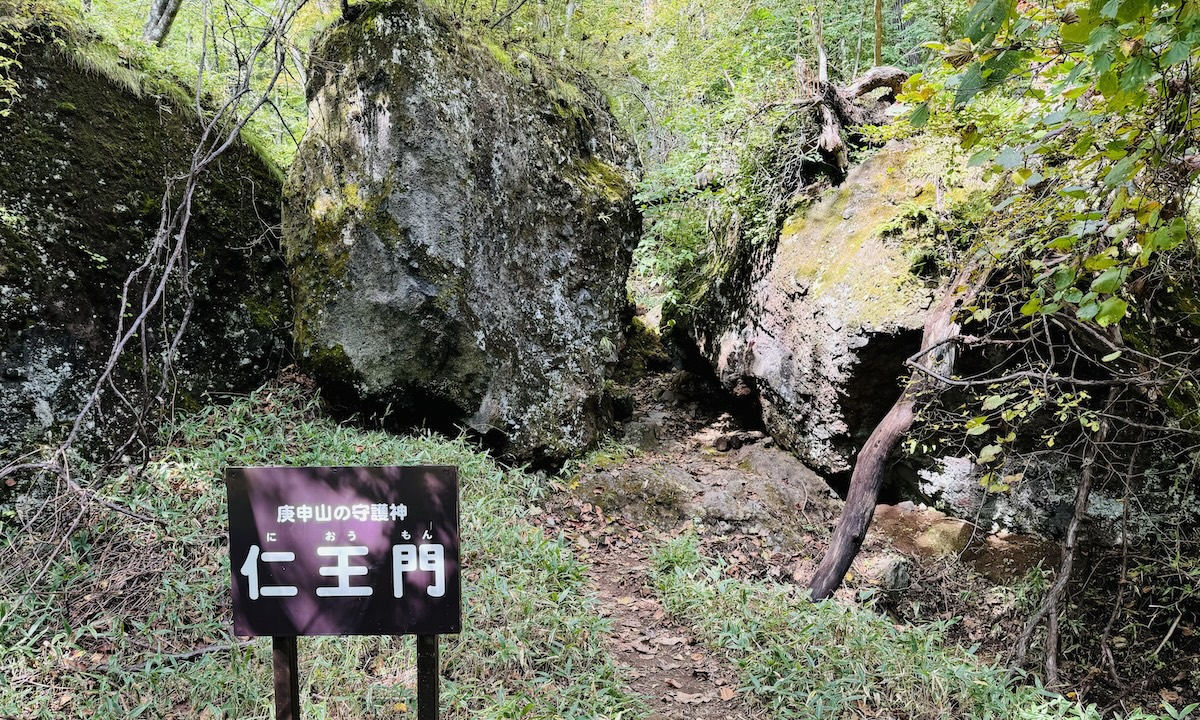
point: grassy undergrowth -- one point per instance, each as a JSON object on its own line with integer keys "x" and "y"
{"x": 108, "y": 631}
{"x": 799, "y": 659}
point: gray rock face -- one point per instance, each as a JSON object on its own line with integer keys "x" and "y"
{"x": 82, "y": 166}
{"x": 459, "y": 222}
{"x": 770, "y": 493}
{"x": 822, "y": 323}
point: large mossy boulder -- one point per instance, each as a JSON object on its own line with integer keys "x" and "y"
{"x": 83, "y": 162}
{"x": 459, "y": 224}
{"x": 820, "y": 323}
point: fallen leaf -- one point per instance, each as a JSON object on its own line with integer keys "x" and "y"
{"x": 728, "y": 693}
{"x": 674, "y": 683}
{"x": 670, "y": 641}
{"x": 692, "y": 698}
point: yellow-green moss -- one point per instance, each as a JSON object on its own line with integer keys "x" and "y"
{"x": 500, "y": 55}
{"x": 592, "y": 174}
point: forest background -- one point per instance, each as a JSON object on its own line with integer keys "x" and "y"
{"x": 1080, "y": 117}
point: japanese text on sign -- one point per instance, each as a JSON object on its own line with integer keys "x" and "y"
{"x": 339, "y": 551}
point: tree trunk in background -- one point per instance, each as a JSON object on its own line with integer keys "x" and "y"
{"x": 878, "y": 32}
{"x": 937, "y": 353}
{"x": 159, "y": 21}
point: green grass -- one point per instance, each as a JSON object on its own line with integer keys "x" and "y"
{"x": 96, "y": 637}
{"x": 798, "y": 659}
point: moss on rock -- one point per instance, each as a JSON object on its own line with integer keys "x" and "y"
{"x": 821, "y": 320}
{"x": 82, "y": 168}
{"x": 459, "y": 223}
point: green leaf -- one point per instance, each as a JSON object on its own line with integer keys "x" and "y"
{"x": 1110, "y": 9}
{"x": 1087, "y": 311}
{"x": 920, "y": 115}
{"x": 1055, "y": 118}
{"x": 1010, "y": 158}
{"x": 987, "y": 17}
{"x": 1178, "y": 53}
{"x": 969, "y": 84}
{"x": 1111, "y": 311}
{"x": 1100, "y": 262}
{"x": 977, "y": 426}
{"x": 1137, "y": 74}
{"x": 989, "y": 453}
{"x": 1084, "y": 144}
{"x": 1109, "y": 280}
{"x": 1079, "y": 31}
{"x": 991, "y": 402}
{"x": 1133, "y": 10}
{"x": 1064, "y": 278}
{"x": 1108, "y": 85}
{"x": 1169, "y": 237}
{"x": 1033, "y": 305}
{"x": 996, "y": 69}
{"x": 980, "y": 158}
{"x": 1111, "y": 356}
{"x": 1121, "y": 171}
{"x": 1102, "y": 36}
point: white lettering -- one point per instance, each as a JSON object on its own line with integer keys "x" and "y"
{"x": 343, "y": 571}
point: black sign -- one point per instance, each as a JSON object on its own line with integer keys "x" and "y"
{"x": 344, "y": 550}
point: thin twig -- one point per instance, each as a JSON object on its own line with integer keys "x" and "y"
{"x": 179, "y": 657}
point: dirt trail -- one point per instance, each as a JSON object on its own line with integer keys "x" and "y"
{"x": 679, "y": 677}
{"x": 625, "y": 506}
{"x": 700, "y": 469}
{"x": 755, "y": 506}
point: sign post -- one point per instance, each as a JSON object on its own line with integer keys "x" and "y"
{"x": 427, "y": 677}
{"x": 287, "y": 678}
{"x": 345, "y": 551}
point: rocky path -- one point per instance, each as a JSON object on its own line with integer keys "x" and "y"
{"x": 755, "y": 506}
{"x": 697, "y": 470}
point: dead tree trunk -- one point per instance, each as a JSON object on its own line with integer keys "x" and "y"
{"x": 840, "y": 109}
{"x": 937, "y": 354}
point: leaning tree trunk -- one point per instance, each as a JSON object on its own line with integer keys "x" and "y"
{"x": 937, "y": 354}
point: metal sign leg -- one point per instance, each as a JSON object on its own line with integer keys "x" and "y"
{"x": 287, "y": 678}
{"x": 427, "y": 677}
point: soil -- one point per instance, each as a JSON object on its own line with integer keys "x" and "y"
{"x": 707, "y": 469}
